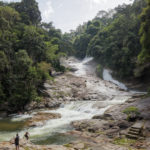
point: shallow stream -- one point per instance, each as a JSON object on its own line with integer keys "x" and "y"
{"x": 52, "y": 131}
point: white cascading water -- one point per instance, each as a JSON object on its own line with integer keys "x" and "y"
{"x": 70, "y": 112}
{"x": 108, "y": 77}
{"x": 77, "y": 110}
{"x": 81, "y": 66}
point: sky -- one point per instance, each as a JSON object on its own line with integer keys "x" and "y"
{"x": 68, "y": 14}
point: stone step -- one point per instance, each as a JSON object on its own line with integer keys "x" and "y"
{"x": 138, "y": 125}
{"x": 132, "y": 136}
{"x": 133, "y": 133}
{"x": 134, "y": 129}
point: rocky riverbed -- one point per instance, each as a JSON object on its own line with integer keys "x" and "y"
{"x": 92, "y": 106}
{"x": 102, "y": 132}
{"x": 114, "y": 126}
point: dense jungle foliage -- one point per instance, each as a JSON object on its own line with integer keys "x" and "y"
{"x": 29, "y": 51}
{"x": 118, "y": 39}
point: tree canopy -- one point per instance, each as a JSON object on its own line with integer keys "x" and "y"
{"x": 29, "y": 51}
{"x": 144, "y": 56}
{"x": 113, "y": 39}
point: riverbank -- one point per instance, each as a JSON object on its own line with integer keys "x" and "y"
{"x": 103, "y": 132}
{"x": 65, "y": 88}
{"x": 25, "y": 145}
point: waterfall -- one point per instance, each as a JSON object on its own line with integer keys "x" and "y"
{"x": 108, "y": 77}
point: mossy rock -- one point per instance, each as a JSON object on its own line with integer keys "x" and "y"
{"x": 132, "y": 113}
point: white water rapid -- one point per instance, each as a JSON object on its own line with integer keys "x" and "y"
{"x": 77, "y": 110}
{"x": 108, "y": 77}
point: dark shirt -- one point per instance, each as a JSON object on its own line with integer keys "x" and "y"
{"x": 17, "y": 140}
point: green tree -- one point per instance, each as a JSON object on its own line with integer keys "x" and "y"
{"x": 30, "y": 7}
{"x": 23, "y": 89}
{"x": 44, "y": 70}
{"x": 3, "y": 63}
{"x": 81, "y": 44}
{"x": 33, "y": 42}
{"x": 8, "y": 17}
{"x": 144, "y": 56}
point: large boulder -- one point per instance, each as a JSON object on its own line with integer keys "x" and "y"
{"x": 104, "y": 117}
{"x": 73, "y": 69}
{"x": 90, "y": 125}
{"x": 40, "y": 118}
{"x": 52, "y": 103}
{"x": 113, "y": 132}
{"x": 123, "y": 124}
{"x": 31, "y": 106}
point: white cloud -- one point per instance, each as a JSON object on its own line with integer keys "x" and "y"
{"x": 47, "y": 10}
{"x": 97, "y": 1}
{"x": 11, "y": 1}
{"x": 67, "y": 14}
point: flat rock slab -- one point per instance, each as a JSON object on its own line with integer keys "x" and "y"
{"x": 25, "y": 145}
{"x": 138, "y": 125}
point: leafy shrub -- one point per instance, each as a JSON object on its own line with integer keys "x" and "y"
{"x": 44, "y": 70}
{"x": 132, "y": 113}
{"x": 99, "y": 70}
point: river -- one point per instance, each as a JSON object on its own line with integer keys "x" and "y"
{"x": 51, "y": 131}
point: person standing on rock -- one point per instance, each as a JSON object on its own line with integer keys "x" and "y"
{"x": 17, "y": 141}
{"x": 26, "y": 136}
